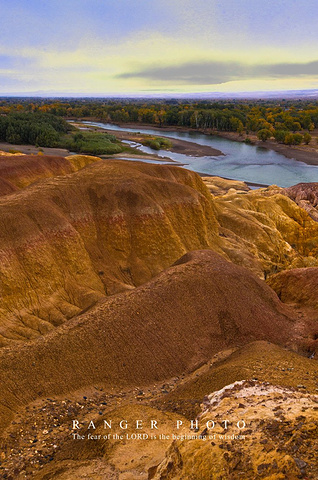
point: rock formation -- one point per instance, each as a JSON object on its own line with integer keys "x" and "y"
{"x": 122, "y": 293}
{"x": 306, "y": 196}
{"x": 68, "y": 241}
{"x": 221, "y": 186}
{"x": 257, "y": 360}
{"x": 266, "y": 231}
{"x": 297, "y": 286}
{"x": 279, "y": 441}
{"x": 175, "y": 322}
{"x": 19, "y": 171}
{"x": 281, "y": 424}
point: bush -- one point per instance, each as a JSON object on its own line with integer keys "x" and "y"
{"x": 48, "y": 137}
{"x": 298, "y": 139}
{"x": 293, "y": 139}
{"x": 264, "y": 134}
{"x": 13, "y": 150}
{"x": 158, "y": 143}
{"x": 280, "y": 135}
{"x": 92, "y": 143}
{"x": 45, "y": 130}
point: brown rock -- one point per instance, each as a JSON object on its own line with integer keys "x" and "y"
{"x": 306, "y": 196}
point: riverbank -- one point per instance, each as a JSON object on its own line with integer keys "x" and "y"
{"x": 33, "y": 150}
{"x": 142, "y": 157}
{"x": 305, "y": 153}
{"x": 178, "y": 146}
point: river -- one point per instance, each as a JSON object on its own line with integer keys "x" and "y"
{"x": 249, "y": 163}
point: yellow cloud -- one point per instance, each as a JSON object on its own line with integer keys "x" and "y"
{"x": 94, "y": 68}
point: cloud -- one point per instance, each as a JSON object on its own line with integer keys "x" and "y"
{"x": 293, "y": 69}
{"x": 215, "y": 72}
{"x": 192, "y": 72}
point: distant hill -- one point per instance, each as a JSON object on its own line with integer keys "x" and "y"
{"x": 204, "y": 95}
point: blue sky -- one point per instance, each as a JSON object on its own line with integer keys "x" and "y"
{"x": 124, "y": 46}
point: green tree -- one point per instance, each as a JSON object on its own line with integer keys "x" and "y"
{"x": 296, "y": 126}
{"x": 289, "y": 139}
{"x": 293, "y": 139}
{"x": 280, "y": 135}
{"x": 48, "y": 137}
{"x": 298, "y": 138}
{"x": 12, "y": 135}
{"x": 264, "y": 134}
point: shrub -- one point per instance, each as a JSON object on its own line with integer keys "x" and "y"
{"x": 293, "y": 139}
{"x": 158, "y": 143}
{"x": 280, "y": 135}
{"x": 264, "y": 134}
{"x": 93, "y": 143}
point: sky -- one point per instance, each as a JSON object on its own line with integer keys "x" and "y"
{"x": 122, "y": 47}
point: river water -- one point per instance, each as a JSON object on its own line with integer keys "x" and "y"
{"x": 249, "y": 163}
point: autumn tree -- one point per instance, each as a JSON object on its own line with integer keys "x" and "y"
{"x": 307, "y": 138}
{"x": 264, "y": 134}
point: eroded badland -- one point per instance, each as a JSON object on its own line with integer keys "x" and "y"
{"x": 139, "y": 291}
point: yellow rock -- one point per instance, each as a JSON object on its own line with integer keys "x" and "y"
{"x": 266, "y": 231}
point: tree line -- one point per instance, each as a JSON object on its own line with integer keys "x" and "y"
{"x": 49, "y": 130}
{"x": 44, "y": 130}
{"x": 289, "y": 122}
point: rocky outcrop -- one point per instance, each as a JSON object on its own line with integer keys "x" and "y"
{"x": 260, "y": 359}
{"x": 91, "y": 273}
{"x": 271, "y": 433}
{"x": 296, "y": 286}
{"x": 306, "y": 196}
{"x": 57, "y": 455}
{"x": 69, "y": 240}
{"x": 39, "y": 443}
{"x": 266, "y": 231}
{"x": 221, "y": 186}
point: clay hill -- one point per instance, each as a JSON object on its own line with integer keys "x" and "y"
{"x": 137, "y": 291}
{"x": 69, "y": 240}
{"x": 265, "y": 230}
{"x": 18, "y": 171}
{"x": 172, "y": 324}
{"x": 280, "y": 437}
{"x": 259, "y": 360}
{"x": 297, "y": 286}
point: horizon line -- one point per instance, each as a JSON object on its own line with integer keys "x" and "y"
{"x": 147, "y": 94}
